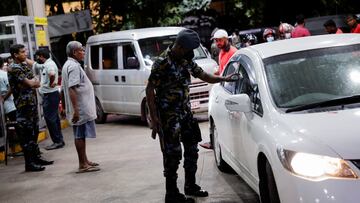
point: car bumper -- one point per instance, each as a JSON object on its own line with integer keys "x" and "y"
{"x": 306, "y": 191}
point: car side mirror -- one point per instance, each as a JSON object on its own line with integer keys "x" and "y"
{"x": 132, "y": 63}
{"x": 239, "y": 102}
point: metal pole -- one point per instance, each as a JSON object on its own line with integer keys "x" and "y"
{"x": 20, "y": 7}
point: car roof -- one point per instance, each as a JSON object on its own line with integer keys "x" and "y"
{"x": 135, "y": 34}
{"x": 280, "y": 47}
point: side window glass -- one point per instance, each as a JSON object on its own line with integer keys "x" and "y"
{"x": 230, "y": 69}
{"x": 243, "y": 85}
{"x": 94, "y": 57}
{"x": 109, "y": 56}
{"x": 130, "y": 58}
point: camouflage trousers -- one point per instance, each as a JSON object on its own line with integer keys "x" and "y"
{"x": 27, "y": 128}
{"x": 177, "y": 129}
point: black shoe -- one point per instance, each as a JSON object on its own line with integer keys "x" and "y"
{"x": 55, "y": 146}
{"x": 178, "y": 198}
{"x": 43, "y": 162}
{"x": 195, "y": 191}
{"x": 32, "y": 167}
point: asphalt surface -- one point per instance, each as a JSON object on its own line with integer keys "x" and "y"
{"x": 131, "y": 171}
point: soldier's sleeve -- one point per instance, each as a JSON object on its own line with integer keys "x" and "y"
{"x": 156, "y": 73}
{"x": 195, "y": 69}
{"x": 18, "y": 74}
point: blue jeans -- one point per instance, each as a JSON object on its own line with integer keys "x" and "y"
{"x": 51, "y": 113}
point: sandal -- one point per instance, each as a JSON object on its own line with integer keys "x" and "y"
{"x": 88, "y": 169}
{"x": 93, "y": 163}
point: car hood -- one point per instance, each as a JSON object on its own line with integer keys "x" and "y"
{"x": 339, "y": 130}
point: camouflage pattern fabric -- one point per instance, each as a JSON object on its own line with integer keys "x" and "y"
{"x": 26, "y": 103}
{"x": 23, "y": 96}
{"x": 171, "y": 81}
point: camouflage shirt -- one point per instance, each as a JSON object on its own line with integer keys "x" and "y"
{"x": 23, "y": 96}
{"x": 171, "y": 81}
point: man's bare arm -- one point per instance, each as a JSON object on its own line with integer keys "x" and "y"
{"x": 73, "y": 98}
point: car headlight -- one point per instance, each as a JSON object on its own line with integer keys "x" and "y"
{"x": 315, "y": 167}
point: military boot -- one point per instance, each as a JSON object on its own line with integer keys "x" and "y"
{"x": 172, "y": 193}
{"x": 191, "y": 188}
{"x": 30, "y": 164}
{"x": 38, "y": 159}
{"x": 178, "y": 198}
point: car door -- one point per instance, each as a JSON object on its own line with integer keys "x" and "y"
{"x": 245, "y": 125}
{"x": 222, "y": 118}
{"x": 111, "y": 93}
{"x": 133, "y": 77}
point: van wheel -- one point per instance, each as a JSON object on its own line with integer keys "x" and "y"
{"x": 101, "y": 115}
{"x": 220, "y": 163}
{"x": 147, "y": 115}
{"x": 268, "y": 188}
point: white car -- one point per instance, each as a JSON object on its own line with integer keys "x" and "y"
{"x": 290, "y": 127}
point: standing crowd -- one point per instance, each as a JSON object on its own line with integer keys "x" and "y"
{"x": 21, "y": 89}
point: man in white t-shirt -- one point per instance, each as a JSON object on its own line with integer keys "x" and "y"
{"x": 50, "y": 95}
{"x": 79, "y": 103}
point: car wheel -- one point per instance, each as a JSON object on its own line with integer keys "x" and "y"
{"x": 220, "y": 163}
{"x": 268, "y": 189}
{"x": 101, "y": 115}
{"x": 147, "y": 115}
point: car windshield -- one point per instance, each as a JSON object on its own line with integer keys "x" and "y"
{"x": 153, "y": 47}
{"x": 313, "y": 76}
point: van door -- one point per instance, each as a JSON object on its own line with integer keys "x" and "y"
{"x": 110, "y": 80}
{"x": 132, "y": 78}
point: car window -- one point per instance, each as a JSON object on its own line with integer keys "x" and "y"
{"x": 313, "y": 76}
{"x": 129, "y": 57}
{"x": 246, "y": 85}
{"x": 109, "y": 56}
{"x": 230, "y": 69}
{"x": 94, "y": 57}
{"x": 151, "y": 48}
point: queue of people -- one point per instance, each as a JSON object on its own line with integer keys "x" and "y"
{"x": 19, "y": 87}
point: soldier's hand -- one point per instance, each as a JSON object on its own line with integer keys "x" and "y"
{"x": 233, "y": 77}
{"x": 156, "y": 126}
{"x": 37, "y": 82}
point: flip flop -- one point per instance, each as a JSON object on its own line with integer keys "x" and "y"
{"x": 88, "y": 169}
{"x": 93, "y": 163}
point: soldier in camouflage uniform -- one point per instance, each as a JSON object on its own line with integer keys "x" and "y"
{"x": 168, "y": 98}
{"x": 23, "y": 85}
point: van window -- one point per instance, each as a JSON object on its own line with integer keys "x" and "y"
{"x": 94, "y": 57}
{"x": 129, "y": 56}
{"x": 109, "y": 56}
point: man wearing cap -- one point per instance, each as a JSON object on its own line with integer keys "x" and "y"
{"x": 226, "y": 49}
{"x": 167, "y": 94}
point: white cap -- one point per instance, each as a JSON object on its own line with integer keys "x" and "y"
{"x": 220, "y": 34}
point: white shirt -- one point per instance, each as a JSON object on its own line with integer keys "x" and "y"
{"x": 9, "y": 105}
{"x": 49, "y": 67}
{"x": 74, "y": 76}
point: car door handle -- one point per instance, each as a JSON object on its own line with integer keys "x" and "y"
{"x": 217, "y": 99}
{"x": 123, "y": 78}
{"x": 116, "y": 78}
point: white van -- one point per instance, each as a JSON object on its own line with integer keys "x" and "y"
{"x": 119, "y": 64}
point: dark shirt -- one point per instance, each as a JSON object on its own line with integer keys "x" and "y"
{"x": 171, "y": 81}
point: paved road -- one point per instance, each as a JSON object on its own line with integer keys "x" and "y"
{"x": 131, "y": 171}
